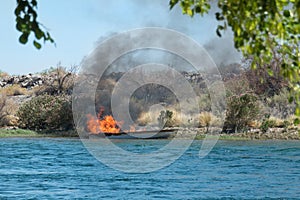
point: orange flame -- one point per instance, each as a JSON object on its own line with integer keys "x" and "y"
{"x": 109, "y": 125}
{"x": 106, "y": 124}
{"x": 93, "y": 124}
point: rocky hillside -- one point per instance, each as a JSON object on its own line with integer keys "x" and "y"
{"x": 27, "y": 81}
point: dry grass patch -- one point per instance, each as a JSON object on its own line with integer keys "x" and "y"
{"x": 8, "y": 110}
{"x": 13, "y": 90}
{"x": 207, "y": 119}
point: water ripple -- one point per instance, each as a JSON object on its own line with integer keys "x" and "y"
{"x": 63, "y": 169}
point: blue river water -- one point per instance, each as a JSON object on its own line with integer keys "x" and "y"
{"x": 64, "y": 169}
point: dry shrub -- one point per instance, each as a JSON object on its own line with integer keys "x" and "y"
{"x": 187, "y": 120}
{"x": 61, "y": 83}
{"x": 237, "y": 85}
{"x": 3, "y": 74}
{"x": 279, "y": 105}
{"x": 147, "y": 118}
{"x": 3, "y": 112}
{"x": 13, "y": 90}
{"x": 178, "y": 119}
{"x": 291, "y": 119}
{"x": 37, "y": 90}
{"x": 207, "y": 119}
{"x": 10, "y": 120}
{"x": 7, "y": 112}
{"x": 254, "y": 124}
{"x": 277, "y": 122}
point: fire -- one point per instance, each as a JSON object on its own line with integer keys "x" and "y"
{"x": 106, "y": 124}
{"x": 93, "y": 124}
{"x": 109, "y": 125}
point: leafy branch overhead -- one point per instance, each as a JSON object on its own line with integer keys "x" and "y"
{"x": 258, "y": 28}
{"x": 26, "y": 23}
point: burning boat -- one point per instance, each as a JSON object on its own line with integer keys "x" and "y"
{"x": 107, "y": 126}
{"x": 155, "y": 134}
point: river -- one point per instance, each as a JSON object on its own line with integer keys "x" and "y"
{"x": 64, "y": 169}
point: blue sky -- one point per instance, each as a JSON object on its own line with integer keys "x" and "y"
{"x": 77, "y": 25}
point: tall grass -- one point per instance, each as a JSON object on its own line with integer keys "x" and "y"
{"x": 14, "y": 90}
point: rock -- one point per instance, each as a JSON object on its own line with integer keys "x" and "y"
{"x": 16, "y": 80}
{"x": 10, "y": 80}
{"x": 11, "y": 128}
{"x": 25, "y": 84}
{"x": 36, "y": 78}
{"x": 2, "y": 84}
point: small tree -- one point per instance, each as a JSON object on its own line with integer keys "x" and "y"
{"x": 241, "y": 109}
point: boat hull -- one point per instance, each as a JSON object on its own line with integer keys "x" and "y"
{"x": 162, "y": 134}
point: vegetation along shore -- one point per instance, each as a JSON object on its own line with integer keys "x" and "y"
{"x": 40, "y": 105}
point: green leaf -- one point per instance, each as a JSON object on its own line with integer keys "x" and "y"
{"x": 198, "y": 9}
{"x": 296, "y": 121}
{"x": 270, "y": 72}
{"x": 37, "y": 45}
{"x": 218, "y": 33}
{"x": 34, "y": 3}
{"x": 172, "y": 3}
{"x": 190, "y": 12}
{"x": 219, "y": 17}
{"x": 218, "y": 30}
{"x": 24, "y": 38}
{"x": 18, "y": 10}
{"x": 19, "y": 26}
{"x": 297, "y": 112}
{"x": 39, "y": 33}
{"x": 286, "y": 13}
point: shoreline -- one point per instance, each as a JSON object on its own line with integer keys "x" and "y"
{"x": 184, "y": 133}
{"x": 24, "y": 133}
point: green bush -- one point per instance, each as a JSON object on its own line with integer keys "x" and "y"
{"x": 272, "y": 122}
{"x": 46, "y": 112}
{"x": 267, "y": 123}
{"x": 241, "y": 110}
{"x": 165, "y": 118}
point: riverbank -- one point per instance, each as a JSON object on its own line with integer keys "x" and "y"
{"x": 23, "y": 133}
{"x": 275, "y": 134}
{"x": 255, "y": 134}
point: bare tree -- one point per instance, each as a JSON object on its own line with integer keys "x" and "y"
{"x": 61, "y": 80}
